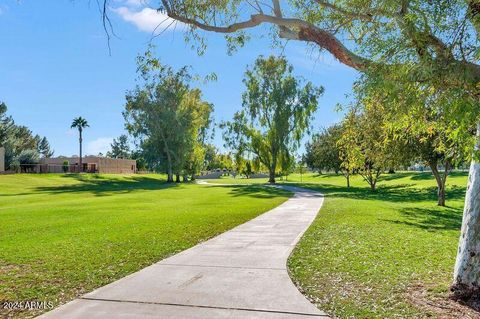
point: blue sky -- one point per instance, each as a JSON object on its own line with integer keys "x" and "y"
{"x": 55, "y": 65}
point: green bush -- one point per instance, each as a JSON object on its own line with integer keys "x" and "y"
{"x": 65, "y": 166}
{"x": 27, "y": 160}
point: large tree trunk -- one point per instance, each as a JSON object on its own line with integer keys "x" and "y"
{"x": 271, "y": 177}
{"x": 169, "y": 173}
{"x": 169, "y": 168}
{"x": 177, "y": 178}
{"x": 466, "y": 284}
{"x": 169, "y": 158}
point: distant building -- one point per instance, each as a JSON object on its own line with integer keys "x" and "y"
{"x": 91, "y": 164}
{"x": 2, "y": 159}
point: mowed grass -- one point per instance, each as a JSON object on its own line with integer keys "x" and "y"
{"x": 64, "y": 235}
{"x": 387, "y": 254}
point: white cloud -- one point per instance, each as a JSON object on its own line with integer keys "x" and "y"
{"x": 136, "y": 3}
{"x": 100, "y": 145}
{"x": 148, "y": 19}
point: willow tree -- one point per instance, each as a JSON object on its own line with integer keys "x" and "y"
{"x": 277, "y": 110}
{"x": 437, "y": 42}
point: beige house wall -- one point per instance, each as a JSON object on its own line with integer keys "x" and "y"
{"x": 2, "y": 159}
{"x": 103, "y": 165}
{"x": 116, "y": 165}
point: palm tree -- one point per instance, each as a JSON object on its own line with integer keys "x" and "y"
{"x": 80, "y": 123}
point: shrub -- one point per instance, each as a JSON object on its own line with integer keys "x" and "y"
{"x": 65, "y": 166}
{"x": 27, "y": 159}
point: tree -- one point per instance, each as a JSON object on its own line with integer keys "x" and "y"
{"x": 27, "y": 159}
{"x": 301, "y": 169}
{"x": 139, "y": 156}
{"x": 170, "y": 119}
{"x": 44, "y": 149}
{"x": 383, "y": 33}
{"x": 6, "y": 122}
{"x": 197, "y": 128}
{"x": 120, "y": 148}
{"x": 80, "y": 123}
{"x": 419, "y": 127}
{"x": 362, "y": 143}
{"x": 413, "y": 36}
{"x": 348, "y": 147}
{"x": 65, "y": 166}
{"x": 210, "y": 155}
{"x": 152, "y": 111}
{"x": 276, "y": 112}
{"x": 322, "y": 151}
{"x": 247, "y": 171}
{"x": 287, "y": 163}
{"x": 16, "y": 138}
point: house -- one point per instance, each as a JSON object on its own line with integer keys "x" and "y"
{"x": 90, "y": 164}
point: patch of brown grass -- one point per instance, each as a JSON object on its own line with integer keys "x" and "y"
{"x": 438, "y": 305}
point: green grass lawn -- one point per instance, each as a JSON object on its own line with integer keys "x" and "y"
{"x": 388, "y": 254}
{"x": 61, "y": 236}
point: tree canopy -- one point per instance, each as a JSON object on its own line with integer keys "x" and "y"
{"x": 322, "y": 152}
{"x": 17, "y": 139}
{"x": 277, "y": 110}
{"x": 169, "y": 118}
{"x": 437, "y": 38}
{"x": 120, "y": 148}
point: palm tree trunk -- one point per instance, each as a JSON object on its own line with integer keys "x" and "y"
{"x": 80, "y": 167}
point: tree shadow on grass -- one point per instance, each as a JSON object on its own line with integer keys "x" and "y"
{"x": 430, "y": 219}
{"x": 394, "y": 176}
{"x": 256, "y": 191}
{"x": 107, "y": 185}
{"x": 423, "y": 176}
{"x": 445, "y": 218}
{"x": 429, "y": 176}
{"x": 389, "y": 193}
{"x": 102, "y": 186}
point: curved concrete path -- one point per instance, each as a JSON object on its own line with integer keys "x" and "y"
{"x": 239, "y": 274}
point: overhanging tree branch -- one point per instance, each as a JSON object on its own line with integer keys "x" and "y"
{"x": 291, "y": 28}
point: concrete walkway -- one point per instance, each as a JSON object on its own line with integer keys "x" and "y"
{"x": 239, "y": 274}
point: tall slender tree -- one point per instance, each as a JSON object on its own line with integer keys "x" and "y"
{"x": 277, "y": 110}
{"x": 80, "y": 123}
{"x": 44, "y": 148}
